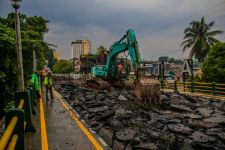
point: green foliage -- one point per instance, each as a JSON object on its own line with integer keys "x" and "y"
{"x": 172, "y": 60}
{"x": 88, "y": 56}
{"x": 214, "y": 65}
{"x": 9, "y": 106}
{"x": 199, "y": 38}
{"x": 101, "y": 50}
{"x": 63, "y": 66}
{"x": 32, "y": 37}
{"x": 8, "y": 66}
{"x": 163, "y": 59}
{"x": 50, "y": 57}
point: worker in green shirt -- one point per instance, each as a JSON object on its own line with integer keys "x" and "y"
{"x": 48, "y": 85}
{"x": 35, "y": 82}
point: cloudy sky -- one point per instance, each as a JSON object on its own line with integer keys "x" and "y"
{"x": 158, "y": 24}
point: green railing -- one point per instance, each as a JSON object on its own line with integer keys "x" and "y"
{"x": 195, "y": 87}
{"x": 19, "y": 120}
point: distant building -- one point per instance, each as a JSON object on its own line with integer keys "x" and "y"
{"x": 89, "y": 61}
{"x": 173, "y": 73}
{"x": 151, "y": 68}
{"x": 57, "y": 54}
{"x": 76, "y": 64}
{"x": 80, "y": 47}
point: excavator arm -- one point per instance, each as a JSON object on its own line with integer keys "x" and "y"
{"x": 126, "y": 43}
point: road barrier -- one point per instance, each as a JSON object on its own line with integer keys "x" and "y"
{"x": 18, "y": 121}
{"x": 213, "y": 88}
{"x": 71, "y": 76}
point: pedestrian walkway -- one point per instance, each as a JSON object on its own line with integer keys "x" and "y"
{"x": 61, "y": 129}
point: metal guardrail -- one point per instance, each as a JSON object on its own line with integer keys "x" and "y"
{"x": 18, "y": 120}
{"x": 213, "y": 88}
{"x": 71, "y": 75}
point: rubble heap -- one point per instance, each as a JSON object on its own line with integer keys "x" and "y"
{"x": 179, "y": 122}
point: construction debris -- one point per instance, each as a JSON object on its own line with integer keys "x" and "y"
{"x": 124, "y": 123}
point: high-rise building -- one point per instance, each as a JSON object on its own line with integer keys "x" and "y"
{"x": 57, "y": 54}
{"x": 80, "y": 47}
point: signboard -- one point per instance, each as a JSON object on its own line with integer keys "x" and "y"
{"x": 187, "y": 68}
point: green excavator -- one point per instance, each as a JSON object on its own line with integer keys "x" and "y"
{"x": 146, "y": 89}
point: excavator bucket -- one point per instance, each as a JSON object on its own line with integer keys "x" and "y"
{"x": 148, "y": 91}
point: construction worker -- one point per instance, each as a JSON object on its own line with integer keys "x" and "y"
{"x": 119, "y": 71}
{"x": 48, "y": 85}
{"x": 35, "y": 82}
{"x": 42, "y": 75}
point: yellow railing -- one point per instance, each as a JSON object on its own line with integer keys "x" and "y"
{"x": 200, "y": 87}
{"x": 9, "y": 131}
{"x": 17, "y": 121}
{"x": 13, "y": 142}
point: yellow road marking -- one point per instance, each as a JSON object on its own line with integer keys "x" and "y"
{"x": 79, "y": 123}
{"x": 44, "y": 138}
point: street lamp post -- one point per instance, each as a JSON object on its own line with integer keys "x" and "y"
{"x": 34, "y": 59}
{"x": 16, "y": 4}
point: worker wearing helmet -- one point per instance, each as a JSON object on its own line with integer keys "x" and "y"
{"x": 48, "y": 85}
{"x": 35, "y": 82}
{"x": 42, "y": 75}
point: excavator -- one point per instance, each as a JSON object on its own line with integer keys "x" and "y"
{"x": 147, "y": 90}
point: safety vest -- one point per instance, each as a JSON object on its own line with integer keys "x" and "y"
{"x": 48, "y": 80}
{"x": 35, "y": 81}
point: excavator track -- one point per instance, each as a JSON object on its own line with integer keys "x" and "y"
{"x": 97, "y": 84}
{"x": 148, "y": 91}
{"x": 122, "y": 84}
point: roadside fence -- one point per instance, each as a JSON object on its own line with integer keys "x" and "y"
{"x": 19, "y": 120}
{"x": 212, "y": 88}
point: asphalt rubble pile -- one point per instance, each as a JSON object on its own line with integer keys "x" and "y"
{"x": 178, "y": 123}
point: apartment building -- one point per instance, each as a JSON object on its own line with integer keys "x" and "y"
{"x": 80, "y": 47}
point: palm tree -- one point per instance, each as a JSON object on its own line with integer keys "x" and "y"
{"x": 199, "y": 38}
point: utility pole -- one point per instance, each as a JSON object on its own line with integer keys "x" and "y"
{"x": 16, "y": 5}
{"x": 34, "y": 59}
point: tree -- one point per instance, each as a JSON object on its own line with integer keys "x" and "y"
{"x": 63, "y": 66}
{"x": 163, "y": 59}
{"x": 32, "y": 33}
{"x": 199, "y": 38}
{"x": 8, "y": 68}
{"x": 101, "y": 50}
{"x": 50, "y": 57}
{"x": 172, "y": 60}
{"x": 214, "y": 66}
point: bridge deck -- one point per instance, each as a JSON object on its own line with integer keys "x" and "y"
{"x": 62, "y": 130}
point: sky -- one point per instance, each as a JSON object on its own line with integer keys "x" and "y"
{"x": 158, "y": 24}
